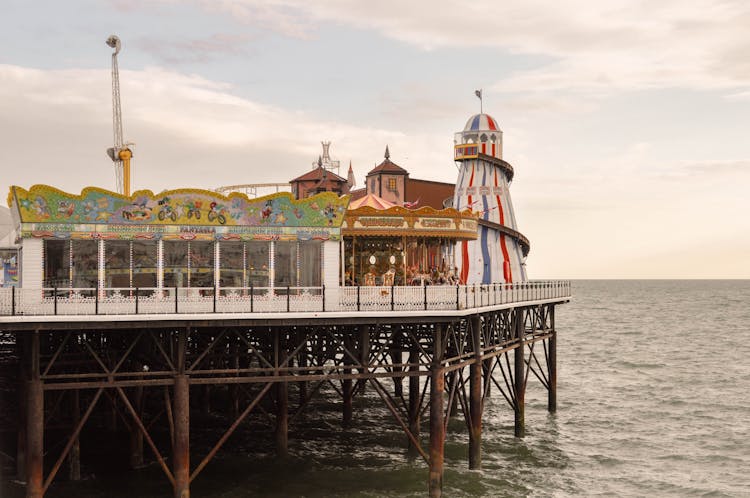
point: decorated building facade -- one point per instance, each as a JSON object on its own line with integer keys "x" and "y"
{"x": 185, "y": 238}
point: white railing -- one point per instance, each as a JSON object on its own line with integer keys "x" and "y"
{"x": 150, "y": 300}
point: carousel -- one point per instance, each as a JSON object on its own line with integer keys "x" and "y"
{"x": 385, "y": 244}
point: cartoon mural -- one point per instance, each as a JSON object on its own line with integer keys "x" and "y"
{"x": 45, "y": 204}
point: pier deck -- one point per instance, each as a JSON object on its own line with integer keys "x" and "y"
{"x": 423, "y": 351}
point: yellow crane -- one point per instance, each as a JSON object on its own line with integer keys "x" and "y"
{"x": 121, "y": 152}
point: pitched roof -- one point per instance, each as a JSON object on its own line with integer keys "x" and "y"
{"x": 317, "y": 174}
{"x": 357, "y": 194}
{"x": 387, "y": 166}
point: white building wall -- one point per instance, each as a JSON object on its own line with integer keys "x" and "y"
{"x": 32, "y": 263}
{"x": 331, "y": 264}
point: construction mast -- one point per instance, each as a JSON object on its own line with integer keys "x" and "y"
{"x": 121, "y": 152}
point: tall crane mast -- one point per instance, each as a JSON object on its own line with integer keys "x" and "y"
{"x": 120, "y": 153}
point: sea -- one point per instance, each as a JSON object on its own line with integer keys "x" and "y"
{"x": 653, "y": 400}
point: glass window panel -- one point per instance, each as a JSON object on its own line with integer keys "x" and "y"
{"x": 117, "y": 263}
{"x": 144, "y": 263}
{"x": 56, "y": 263}
{"x": 175, "y": 263}
{"x": 232, "y": 264}
{"x": 85, "y": 263}
{"x": 309, "y": 264}
{"x": 201, "y": 264}
{"x": 257, "y": 263}
{"x": 285, "y": 264}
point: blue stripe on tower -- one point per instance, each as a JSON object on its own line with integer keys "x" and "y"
{"x": 486, "y": 214}
{"x": 484, "y": 244}
{"x": 519, "y": 259}
{"x": 475, "y": 123}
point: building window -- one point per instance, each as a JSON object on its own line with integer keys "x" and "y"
{"x": 70, "y": 263}
{"x": 144, "y": 263}
{"x": 310, "y": 256}
{"x": 117, "y": 263}
{"x": 201, "y": 264}
{"x": 243, "y": 264}
{"x": 392, "y": 184}
{"x": 298, "y": 264}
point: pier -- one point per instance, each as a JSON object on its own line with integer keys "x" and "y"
{"x": 149, "y": 360}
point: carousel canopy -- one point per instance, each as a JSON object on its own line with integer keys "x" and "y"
{"x": 371, "y": 200}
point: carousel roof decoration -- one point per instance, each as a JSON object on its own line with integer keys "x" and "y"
{"x": 371, "y": 200}
{"x": 398, "y": 220}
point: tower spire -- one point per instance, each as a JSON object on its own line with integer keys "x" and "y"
{"x": 387, "y": 153}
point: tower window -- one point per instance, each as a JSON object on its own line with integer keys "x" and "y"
{"x": 392, "y": 184}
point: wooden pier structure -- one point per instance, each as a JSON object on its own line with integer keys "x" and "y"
{"x": 75, "y": 366}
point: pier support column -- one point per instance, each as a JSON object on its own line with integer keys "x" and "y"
{"x": 552, "y": 364}
{"x": 396, "y": 358}
{"x": 346, "y": 386}
{"x": 282, "y": 405}
{"x": 364, "y": 353}
{"x": 34, "y": 425}
{"x": 302, "y": 385}
{"x": 475, "y": 396}
{"x": 519, "y": 374}
{"x": 234, "y": 391}
{"x": 414, "y": 398}
{"x": 181, "y": 414}
{"x": 437, "y": 429}
{"x": 136, "y": 436}
{"x": 74, "y": 456}
{"x": 181, "y": 448}
{"x": 23, "y": 353}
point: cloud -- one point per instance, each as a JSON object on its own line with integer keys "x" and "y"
{"x": 193, "y": 50}
{"x": 188, "y": 131}
{"x": 593, "y": 46}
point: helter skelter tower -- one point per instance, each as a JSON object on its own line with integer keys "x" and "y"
{"x": 499, "y": 252}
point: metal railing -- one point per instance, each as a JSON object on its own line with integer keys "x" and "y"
{"x": 182, "y": 300}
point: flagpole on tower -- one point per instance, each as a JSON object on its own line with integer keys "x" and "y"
{"x": 478, "y": 93}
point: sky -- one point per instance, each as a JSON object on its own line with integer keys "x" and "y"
{"x": 626, "y": 121}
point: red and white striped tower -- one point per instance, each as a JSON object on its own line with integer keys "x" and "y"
{"x": 499, "y": 252}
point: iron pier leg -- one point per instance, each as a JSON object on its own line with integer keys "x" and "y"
{"x": 34, "y": 425}
{"x": 552, "y": 367}
{"x": 397, "y": 357}
{"x": 347, "y": 384}
{"x": 302, "y": 385}
{"x": 364, "y": 351}
{"x": 234, "y": 391}
{"x": 282, "y": 408}
{"x": 22, "y": 341}
{"x": 74, "y": 457}
{"x": 475, "y": 397}
{"x": 136, "y": 436}
{"x": 519, "y": 376}
{"x": 414, "y": 398}
{"x": 437, "y": 430}
{"x": 181, "y": 414}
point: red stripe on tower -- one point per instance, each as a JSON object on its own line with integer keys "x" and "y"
{"x": 507, "y": 273}
{"x": 464, "y": 262}
{"x": 465, "y": 244}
